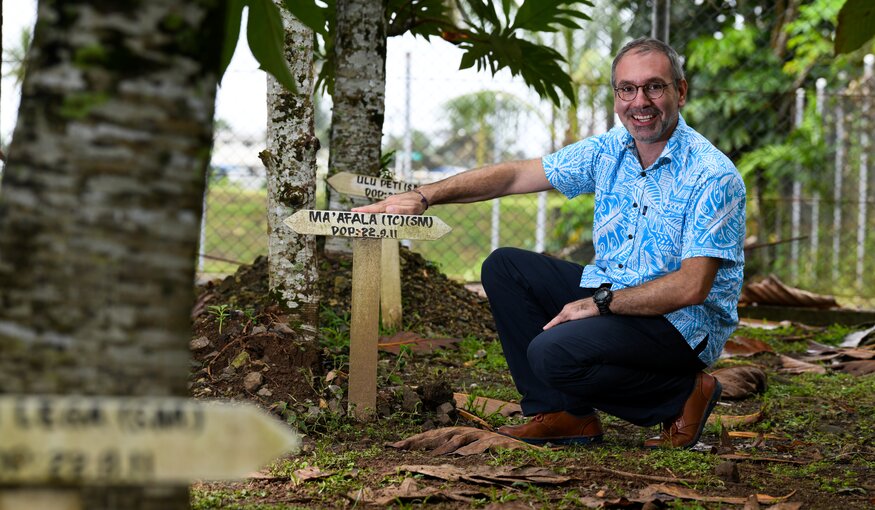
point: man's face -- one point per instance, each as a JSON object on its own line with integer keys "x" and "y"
{"x": 649, "y": 120}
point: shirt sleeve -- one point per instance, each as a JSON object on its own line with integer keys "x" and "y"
{"x": 715, "y": 224}
{"x": 571, "y": 169}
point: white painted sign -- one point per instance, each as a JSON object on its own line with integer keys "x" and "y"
{"x": 367, "y": 186}
{"x": 367, "y": 225}
{"x": 134, "y": 440}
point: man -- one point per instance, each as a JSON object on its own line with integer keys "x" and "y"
{"x": 631, "y": 333}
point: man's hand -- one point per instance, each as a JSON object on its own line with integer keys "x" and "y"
{"x": 409, "y": 202}
{"x": 690, "y": 285}
{"x": 580, "y": 309}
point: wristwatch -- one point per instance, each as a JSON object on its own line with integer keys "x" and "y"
{"x": 602, "y": 299}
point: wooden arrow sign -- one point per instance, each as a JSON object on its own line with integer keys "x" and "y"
{"x": 376, "y": 188}
{"x": 367, "y": 225}
{"x": 367, "y": 186}
{"x": 129, "y": 441}
{"x": 369, "y": 232}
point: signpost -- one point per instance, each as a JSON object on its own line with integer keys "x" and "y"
{"x": 78, "y": 440}
{"x": 368, "y": 232}
{"x": 377, "y": 189}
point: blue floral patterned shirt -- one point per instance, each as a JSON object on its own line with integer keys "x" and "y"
{"x": 689, "y": 203}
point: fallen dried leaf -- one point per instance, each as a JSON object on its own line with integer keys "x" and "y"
{"x": 415, "y": 342}
{"x": 858, "y": 338}
{"x": 862, "y": 353}
{"x": 308, "y": 473}
{"x": 637, "y": 476}
{"x": 483, "y": 406}
{"x": 851, "y": 354}
{"x": 772, "y": 291}
{"x": 741, "y": 381}
{"x": 795, "y": 366}
{"x": 654, "y": 491}
{"x": 745, "y": 457}
{"x": 409, "y": 491}
{"x": 600, "y": 502}
{"x": 754, "y": 435}
{"x": 488, "y": 475}
{"x": 459, "y": 440}
{"x": 859, "y": 367}
{"x": 786, "y": 505}
{"x": 731, "y": 421}
{"x": 265, "y": 474}
{"x": 745, "y": 346}
{"x": 476, "y": 419}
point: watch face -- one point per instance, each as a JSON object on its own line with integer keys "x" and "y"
{"x": 600, "y": 294}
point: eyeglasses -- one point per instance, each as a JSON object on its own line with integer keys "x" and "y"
{"x": 651, "y": 90}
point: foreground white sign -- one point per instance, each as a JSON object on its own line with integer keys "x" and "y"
{"x": 128, "y": 440}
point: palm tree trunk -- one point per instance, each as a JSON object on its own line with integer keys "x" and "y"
{"x": 100, "y": 205}
{"x": 291, "y": 183}
{"x": 359, "y": 97}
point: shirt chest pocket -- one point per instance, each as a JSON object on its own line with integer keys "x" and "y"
{"x": 662, "y": 228}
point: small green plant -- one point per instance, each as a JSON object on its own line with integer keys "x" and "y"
{"x": 220, "y": 312}
{"x": 249, "y": 313}
{"x": 394, "y": 376}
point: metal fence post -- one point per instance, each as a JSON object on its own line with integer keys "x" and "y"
{"x": 541, "y": 222}
{"x": 660, "y": 20}
{"x": 796, "y": 207}
{"x": 407, "y": 166}
{"x": 815, "y": 197}
{"x": 837, "y": 184}
{"x": 496, "y": 224}
{"x": 866, "y": 109}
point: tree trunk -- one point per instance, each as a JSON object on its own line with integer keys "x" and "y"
{"x": 291, "y": 182}
{"x": 100, "y": 205}
{"x": 359, "y": 97}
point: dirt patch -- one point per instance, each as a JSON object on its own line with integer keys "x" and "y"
{"x": 256, "y": 337}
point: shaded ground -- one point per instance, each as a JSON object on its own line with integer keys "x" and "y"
{"x": 813, "y": 438}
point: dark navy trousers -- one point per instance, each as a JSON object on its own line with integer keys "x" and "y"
{"x": 639, "y": 369}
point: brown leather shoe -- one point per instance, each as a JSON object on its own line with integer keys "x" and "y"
{"x": 557, "y": 428}
{"x": 684, "y": 431}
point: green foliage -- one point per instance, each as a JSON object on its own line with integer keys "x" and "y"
{"x": 574, "y": 225}
{"x": 488, "y": 39}
{"x": 265, "y": 34}
{"x": 803, "y": 149}
{"x": 735, "y": 88}
{"x": 856, "y": 25}
{"x": 16, "y": 55}
{"x": 489, "y": 44}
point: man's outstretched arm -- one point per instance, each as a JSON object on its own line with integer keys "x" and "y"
{"x": 493, "y": 181}
{"x": 687, "y": 286}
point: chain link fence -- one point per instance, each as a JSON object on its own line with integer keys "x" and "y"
{"x": 763, "y": 86}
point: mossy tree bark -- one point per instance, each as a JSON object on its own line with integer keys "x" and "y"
{"x": 359, "y": 98}
{"x": 291, "y": 182}
{"x": 100, "y": 205}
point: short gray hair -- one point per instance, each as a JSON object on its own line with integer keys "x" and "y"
{"x": 646, "y": 45}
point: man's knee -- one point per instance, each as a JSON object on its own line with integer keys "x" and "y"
{"x": 497, "y": 264}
